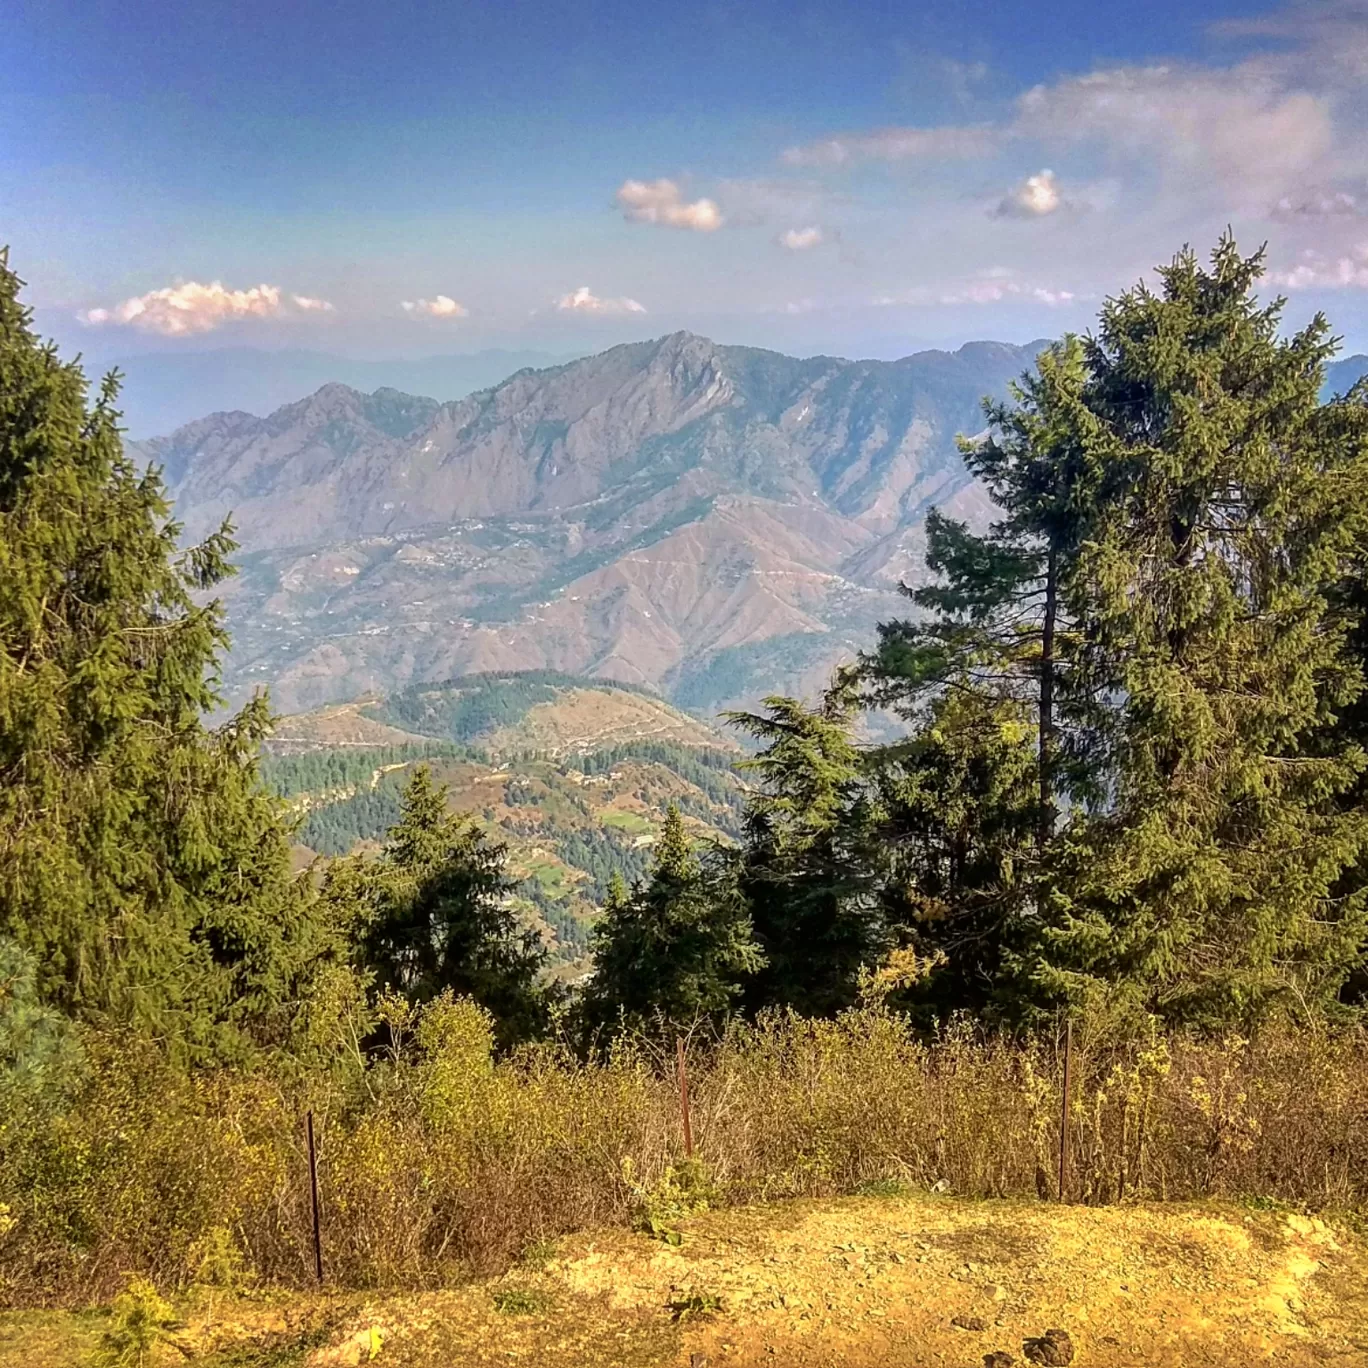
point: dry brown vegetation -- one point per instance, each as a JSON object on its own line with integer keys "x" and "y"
{"x": 443, "y": 1162}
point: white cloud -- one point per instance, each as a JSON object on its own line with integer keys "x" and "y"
{"x": 1240, "y": 129}
{"x": 584, "y": 301}
{"x": 440, "y": 306}
{"x": 801, "y": 239}
{"x": 1323, "y": 34}
{"x": 990, "y": 286}
{"x": 1318, "y": 272}
{"x": 895, "y": 144}
{"x": 1318, "y": 204}
{"x": 661, "y": 202}
{"x": 1052, "y": 296}
{"x": 191, "y": 307}
{"x": 1034, "y": 197}
{"x": 1286, "y": 121}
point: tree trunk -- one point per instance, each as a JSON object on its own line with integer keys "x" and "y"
{"x": 1045, "y": 830}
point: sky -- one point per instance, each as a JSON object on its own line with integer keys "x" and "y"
{"x": 420, "y": 177}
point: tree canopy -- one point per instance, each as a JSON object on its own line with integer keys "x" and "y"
{"x": 673, "y": 949}
{"x": 142, "y": 864}
{"x": 431, "y": 914}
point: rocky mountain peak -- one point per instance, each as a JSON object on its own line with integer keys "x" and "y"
{"x": 677, "y": 513}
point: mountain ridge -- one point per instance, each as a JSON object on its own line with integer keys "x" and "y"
{"x": 580, "y": 420}
{"x": 712, "y": 522}
{"x": 677, "y": 513}
{"x": 164, "y": 390}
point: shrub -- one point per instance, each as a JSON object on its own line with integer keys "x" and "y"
{"x": 141, "y": 1319}
{"x": 683, "y": 1190}
{"x": 443, "y": 1159}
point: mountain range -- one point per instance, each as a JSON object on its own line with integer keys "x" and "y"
{"x": 712, "y": 522}
{"x": 163, "y": 390}
{"x": 1342, "y": 375}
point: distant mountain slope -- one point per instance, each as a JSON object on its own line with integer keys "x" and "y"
{"x": 1341, "y": 376}
{"x": 501, "y": 714}
{"x": 678, "y": 514}
{"x": 573, "y": 777}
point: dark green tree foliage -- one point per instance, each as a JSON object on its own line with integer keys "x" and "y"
{"x": 142, "y": 864}
{"x": 475, "y": 705}
{"x": 325, "y": 771}
{"x": 433, "y": 914}
{"x": 969, "y": 803}
{"x": 40, "y": 1053}
{"x": 1349, "y": 729}
{"x": 958, "y": 808}
{"x": 803, "y": 870}
{"x": 572, "y": 934}
{"x": 673, "y": 950}
{"x": 603, "y": 854}
{"x": 997, "y": 610}
{"x": 337, "y": 828}
{"x": 1229, "y": 503}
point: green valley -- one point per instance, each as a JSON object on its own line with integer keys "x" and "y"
{"x": 573, "y": 776}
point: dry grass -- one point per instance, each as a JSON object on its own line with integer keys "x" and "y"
{"x": 446, "y": 1163}
{"x": 901, "y": 1281}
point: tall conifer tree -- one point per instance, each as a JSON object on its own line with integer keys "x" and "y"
{"x": 804, "y": 868}
{"x": 997, "y": 614}
{"x": 142, "y": 865}
{"x": 1228, "y": 504}
{"x": 433, "y": 914}
{"x": 958, "y": 825}
{"x": 675, "y": 950}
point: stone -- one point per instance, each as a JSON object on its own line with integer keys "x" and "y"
{"x": 1054, "y": 1349}
{"x": 999, "y": 1358}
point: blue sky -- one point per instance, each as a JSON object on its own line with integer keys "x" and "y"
{"x": 402, "y": 178}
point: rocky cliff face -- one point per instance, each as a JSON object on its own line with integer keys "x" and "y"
{"x": 716, "y": 522}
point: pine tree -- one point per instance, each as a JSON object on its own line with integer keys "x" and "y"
{"x": 802, "y": 869}
{"x": 433, "y": 914}
{"x": 40, "y": 1053}
{"x": 142, "y": 864}
{"x": 1229, "y": 502}
{"x": 673, "y": 951}
{"x": 998, "y": 610}
{"x": 958, "y": 809}
{"x": 985, "y": 679}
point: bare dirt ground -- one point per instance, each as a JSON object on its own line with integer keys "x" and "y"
{"x": 858, "y": 1282}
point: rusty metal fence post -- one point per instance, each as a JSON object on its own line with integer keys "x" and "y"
{"x": 313, "y": 1193}
{"x": 1064, "y": 1112}
{"x": 684, "y": 1098}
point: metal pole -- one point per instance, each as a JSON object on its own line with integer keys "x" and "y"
{"x": 684, "y": 1099}
{"x": 1064, "y": 1112}
{"x": 313, "y": 1190}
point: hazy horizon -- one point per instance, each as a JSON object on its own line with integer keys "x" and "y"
{"x": 161, "y": 390}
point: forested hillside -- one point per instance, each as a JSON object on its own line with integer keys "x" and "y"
{"x": 575, "y": 777}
